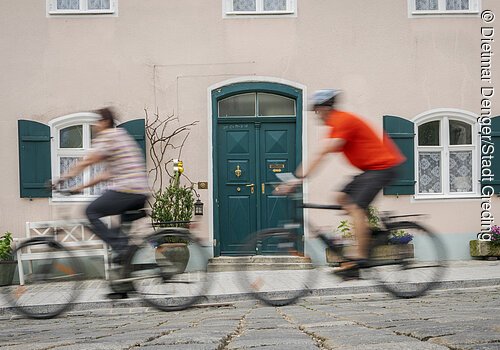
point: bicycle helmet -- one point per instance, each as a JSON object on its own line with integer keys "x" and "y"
{"x": 323, "y": 98}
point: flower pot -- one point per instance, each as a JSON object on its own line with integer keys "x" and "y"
{"x": 400, "y": 239}
{"x": 7, "y": 270}
{"x": 382, "y": 252}
{"x": 174, "y": 256}
{"x": 484, "y": 249}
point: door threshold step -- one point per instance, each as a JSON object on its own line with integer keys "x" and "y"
{"x": 254, "y": 263}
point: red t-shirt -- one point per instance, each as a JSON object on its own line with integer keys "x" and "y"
{"x": 363, "y": 147}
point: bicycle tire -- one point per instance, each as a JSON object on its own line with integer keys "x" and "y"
{"x": 418, "y": 266}
{"x": 265, "y": 279}
{"x": 54, "y": 265}
{"x": 157, "y": 274}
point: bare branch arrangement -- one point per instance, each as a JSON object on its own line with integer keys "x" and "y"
{"x": 163, "y": 137}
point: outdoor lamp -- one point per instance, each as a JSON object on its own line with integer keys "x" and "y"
{"x": 198, "y": 207}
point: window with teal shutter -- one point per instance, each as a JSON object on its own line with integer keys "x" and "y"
{"x": 495, "y": 166}
{"x": 34, "y": 159}
{"x": 137, "y": 129}
{"x": 402, "y": 132}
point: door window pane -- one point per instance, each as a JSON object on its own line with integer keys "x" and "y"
{"x": 244, "y": 5}
{"x": 273, "y": 105}
{"x": 426, "y": 5}
{"x": 98, "y": 4}
{"x": 71, "y": 137}
{"x": 457, "y": 4}
{"x": 460, "y": 133}
{"x": 428, "y": 134}
{"x": 274, "y": 5}
{"x": 238, "y": 106}
{"x": 461, "y": 171}
{"x": 429, "y": 171}
{"x": 68, "y": 4}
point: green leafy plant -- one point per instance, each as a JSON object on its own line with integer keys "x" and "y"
{"x": 6, "y": 247}
{"x": 345, "y": 229}
{"x": 175, "y": 203}
{"x": 373, "y": 218}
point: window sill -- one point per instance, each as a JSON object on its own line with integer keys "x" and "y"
{"x": 73, "y": 199}
{"x": 445, "y": 197}
{"x": 424, "y": 14}
{"x": 269, "y": 14}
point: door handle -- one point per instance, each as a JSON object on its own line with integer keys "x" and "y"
{"x": 251, "y": 187}
{"x": 263, "y": 188}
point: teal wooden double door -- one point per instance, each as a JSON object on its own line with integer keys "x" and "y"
{"x": 249, "y": 155}
{"x": 256, "y": 134}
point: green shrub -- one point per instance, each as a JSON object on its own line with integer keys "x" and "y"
{"x": 6, "y": 247}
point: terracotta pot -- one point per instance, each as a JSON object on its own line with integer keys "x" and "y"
{"x": 176, "y": 254}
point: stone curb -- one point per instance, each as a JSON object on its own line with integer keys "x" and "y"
{"x": 218, "y": 300}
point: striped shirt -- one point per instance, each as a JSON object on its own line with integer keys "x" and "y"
{"x": 124, "y": 160}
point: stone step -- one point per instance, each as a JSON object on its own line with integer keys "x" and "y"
{"x": 259, "y": 262}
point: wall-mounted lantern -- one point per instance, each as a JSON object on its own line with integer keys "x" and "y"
{"x": 198, "y": 207}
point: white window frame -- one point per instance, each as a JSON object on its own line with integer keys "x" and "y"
{"x": 227, "y": 8}
{"x": 86, "y": 119}
{"x": 83, "y": 10}
{"x": 444, "y": 116}
{"x": 474, "y": 9}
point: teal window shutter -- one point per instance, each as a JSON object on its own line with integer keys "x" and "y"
{"x": 402, "y": 132}
{"x": 34, "y": 159}
{"x": 137, "y": 128}
{"x": 495, "y": 162}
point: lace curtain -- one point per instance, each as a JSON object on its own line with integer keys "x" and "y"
{"x": 251, "y": 5}
{"x": 429, "y": 172}
{"x": 244, "y": 5}
{"x": 461, "y": 171}
{"x": 68, "y": 4}
{"x": 65, "y": 163}
{"x": 426, "y": 5}
{"x": 274, "y": 5}
{"x": 75, "y": 4}
{"x": 457, "y": 4}
{"x": 98, "y": 4}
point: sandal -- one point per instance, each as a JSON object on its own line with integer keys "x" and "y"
{"x": 351, "y": 271}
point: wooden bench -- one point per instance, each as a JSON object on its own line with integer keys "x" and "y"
{"x": 72, "y": 234}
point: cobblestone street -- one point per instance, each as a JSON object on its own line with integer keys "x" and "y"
{"x": 458, "y": 319}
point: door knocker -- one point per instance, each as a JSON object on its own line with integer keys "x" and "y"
{"x": 237, "y": 172}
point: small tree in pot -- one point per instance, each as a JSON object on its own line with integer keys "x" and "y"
{"x": 7, "y": 263}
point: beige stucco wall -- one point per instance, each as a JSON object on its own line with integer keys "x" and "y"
{"x": 166, "y": 55}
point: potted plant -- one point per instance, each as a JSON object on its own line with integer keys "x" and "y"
{"x": 7, "y": 262}
{"x": 173, "y": 207}
{"x": 400, "y": 237}
{"x": 487, "y": 248}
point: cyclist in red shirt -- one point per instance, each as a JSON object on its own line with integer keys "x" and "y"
{"x": 377, "y": 157}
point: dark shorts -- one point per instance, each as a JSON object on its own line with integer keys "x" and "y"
{"x": 365, "y": 186}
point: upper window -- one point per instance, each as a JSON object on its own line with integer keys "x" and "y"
{"x": 76, "y": 7}
{"x": 258, "y": 104}
{"x": 446, "y": 156}
{"x": 443, "y": 7}
{"x": 72, "y": 136}
{"x": 259, "y": 7}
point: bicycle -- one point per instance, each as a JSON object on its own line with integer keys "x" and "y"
{"x": 152, "y": 268}
{"x": 399, "y": 270}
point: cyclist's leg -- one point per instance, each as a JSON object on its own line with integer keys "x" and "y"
{"x": 356, "y": 197}
{"x": 112, "y": 203}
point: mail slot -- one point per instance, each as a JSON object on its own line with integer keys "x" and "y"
{"x": 277, "y": 166}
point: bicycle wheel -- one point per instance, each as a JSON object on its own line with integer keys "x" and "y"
{"x": 169, "y": 270}
{"x": 408, "y": 270}
{"x": 280, "y": 273}
{"x": 51, "y": 284}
